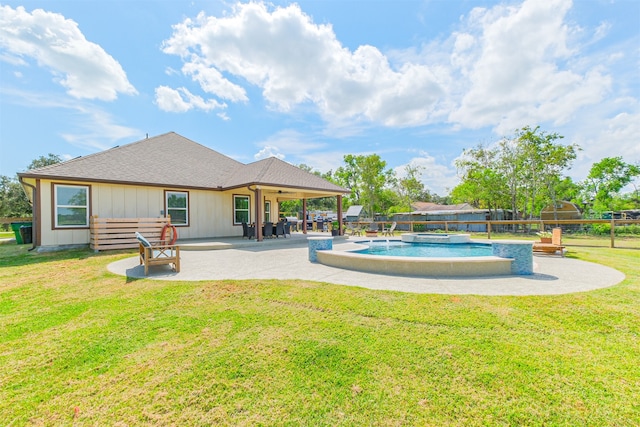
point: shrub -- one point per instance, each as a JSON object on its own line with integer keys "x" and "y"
{"x": 620, "y": 230}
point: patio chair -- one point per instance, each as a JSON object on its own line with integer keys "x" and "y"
{"x": 267, "y": 231}
{"x": 159, "y": 254}
{"x": 353, "y": 231}
{"x": 247, "y": 231}
{"x": 554, "y": 246}
{"x": 287, "y": 229}
{"x": 389, "y": 231}
{"x": 280, "y": 229}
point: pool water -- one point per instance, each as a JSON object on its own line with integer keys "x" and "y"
{"x": 430, "y": 250}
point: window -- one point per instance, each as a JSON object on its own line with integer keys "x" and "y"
{"x": 71, "y": 205}
{"x": 177, "y": 206}
{"x": 267, "y": 211}
{"x": 241, "y": 209}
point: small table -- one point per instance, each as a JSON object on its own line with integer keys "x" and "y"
{"x": 371, "y": 233}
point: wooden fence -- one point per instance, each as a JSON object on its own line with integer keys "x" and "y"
{"x": 491, "y": 226}
{"x": 15, "y": 219}
{"x": 120, "y": 233}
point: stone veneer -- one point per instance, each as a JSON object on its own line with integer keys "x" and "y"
{"x": 520, "y": 251}
{"x": 319, "y": 244}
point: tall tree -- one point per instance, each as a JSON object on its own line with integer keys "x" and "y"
{"x": 410, "y": 187}
{"x": 366, "y": 176}
{"x": 521, "y": 173}
{"x": 482, "y": 185}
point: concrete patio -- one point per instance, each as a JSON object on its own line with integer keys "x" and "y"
{"x": 287, "y": 259}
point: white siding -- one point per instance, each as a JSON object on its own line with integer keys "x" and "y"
{"x": 210, "y": 212}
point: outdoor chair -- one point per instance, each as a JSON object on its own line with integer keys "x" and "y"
{"x": 389, "y": 231}
{"x": 159, "y": 254}
{"x": 287, "y": 229}
{"x": 280, "y": 229}
{"x": 353, "y": 231}
{"x": 554, "y": 246}
{"x": 248, "y": 231}
{"x": 267, "y": 231}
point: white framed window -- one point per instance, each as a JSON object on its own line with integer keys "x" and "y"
{"x": 177, "y": 206}
{"x": 71, "y": 205}
{"x": 241, "y": 210}
{"x": 267, "y": 211}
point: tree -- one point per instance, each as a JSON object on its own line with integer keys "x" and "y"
{"x": 13, "y": 200}
{"x": 521, "y": 173}
{"x": 482, "y": 184}
{"x": 366, "y": 177}
{"x": 605, "y": 180}
{"x": 542, "y": 159}
{"x": 410, "y": 187}
{"x": 42, "y": 161}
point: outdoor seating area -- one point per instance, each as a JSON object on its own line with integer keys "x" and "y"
{"x": 269, "y": 230}
{"x": 158, "y": 254}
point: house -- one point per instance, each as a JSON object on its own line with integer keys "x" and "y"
{"x": 206, "y": 194}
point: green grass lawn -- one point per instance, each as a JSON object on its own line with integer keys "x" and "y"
{"x": 82, "y": 346}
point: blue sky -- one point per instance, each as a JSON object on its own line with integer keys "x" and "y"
{"x": 414, "y": 81}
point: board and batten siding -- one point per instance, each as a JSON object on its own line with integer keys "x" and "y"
{"x": 210, "y": 212}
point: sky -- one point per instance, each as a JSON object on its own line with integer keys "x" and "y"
{"x": 415, "y": 82}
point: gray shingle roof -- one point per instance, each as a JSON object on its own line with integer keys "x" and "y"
{"x": 275, "y": 172}
{"x": 174, "y": 161}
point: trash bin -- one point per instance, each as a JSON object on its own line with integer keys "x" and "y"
{"x": 26, "y": 232}
{"x": 15, "y": 226}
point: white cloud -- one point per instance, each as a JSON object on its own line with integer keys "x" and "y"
{"x": 181, "y": 100}
{"x": 91, "y": 127}
{"x": 295, "y": 61}
{"x": 517, "y": 60}
{"x": 267, "y": 152}
{"x": 438, "y": 178}
{"x": 82, "y": 67}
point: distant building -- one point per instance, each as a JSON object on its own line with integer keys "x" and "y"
{"x": 427, "y": 211}
{"x": 354, "y": 213}
{"x": 561, "y": 210}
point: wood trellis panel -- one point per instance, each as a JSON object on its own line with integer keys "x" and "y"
{"x": 120, "y": 233}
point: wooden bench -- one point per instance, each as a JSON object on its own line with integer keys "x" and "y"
{"x": 158, "y": 254}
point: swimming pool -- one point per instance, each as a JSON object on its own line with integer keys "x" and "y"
{"x": 468, "y": 258}
{"x": 430, "y": 250}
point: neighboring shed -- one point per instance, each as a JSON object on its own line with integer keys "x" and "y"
{"x": 561, "y": 210}
{"x": 354, "y": 213}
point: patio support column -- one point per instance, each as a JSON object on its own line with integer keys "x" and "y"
{"x": 258, "y": 194}
{"x": 304, "y": 216}
{"x": 339, "y": 204}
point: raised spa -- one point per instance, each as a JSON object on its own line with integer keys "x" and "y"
{"x": 429, "y": 255}
{"x": 430, "y": 250}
